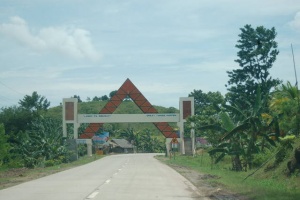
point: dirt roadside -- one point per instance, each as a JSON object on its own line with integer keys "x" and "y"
{"x": 17, "y": 176}
{"x": 206, "y": 190}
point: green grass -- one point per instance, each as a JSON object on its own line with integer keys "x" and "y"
{"x": 260, "y": 186}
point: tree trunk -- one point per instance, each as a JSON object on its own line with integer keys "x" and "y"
{"x": 294, "y": 164}
{"x": 236, "y": 163}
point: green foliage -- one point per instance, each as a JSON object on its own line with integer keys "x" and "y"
{"x": 4, "y": 146}
{"x": 205, "y": 102}
{"x": 43, "y": 142}
{"x": 19, "y": 119}
{"x": 77, "y": 97}
{"x": 112, "y": 93}
{"x": 35, "y": 132}
{"x": 285, "y": 105}
{"x": 103, "y": 98}
{"x": 206, "y": 114}
{"x": 262, "y": 157}
{"x": 244, "y": 133}
{"x": 15, "y": 120}
{"x": 34, "y": 103}
{"x": 144, "y": 141}
{"x": 283, "y": 150}
{"x": 248, "y": 97}
{"x": 49, "y": 163}
{"x": 267, "y": 185}
{"x": 92, "y": 107}
{"x": 150, "y": 144}
{"x": 82, "y": 149}
{"x": 256, "y": 55}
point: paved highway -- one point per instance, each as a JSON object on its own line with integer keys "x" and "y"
{"x": 124, "y": 177}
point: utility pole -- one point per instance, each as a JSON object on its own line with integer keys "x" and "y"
{"x": 298, "y": 103}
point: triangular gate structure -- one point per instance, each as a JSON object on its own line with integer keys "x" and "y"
{"x": 128, "y": 89}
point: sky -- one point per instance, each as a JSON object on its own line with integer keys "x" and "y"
{"x": 167, "y": 48}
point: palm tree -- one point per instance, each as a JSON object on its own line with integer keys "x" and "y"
{"x": 285, "y": 103}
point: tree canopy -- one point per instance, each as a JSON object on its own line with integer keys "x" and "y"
{"x": 35, "y": 102}
{"x": 257, "y": 51}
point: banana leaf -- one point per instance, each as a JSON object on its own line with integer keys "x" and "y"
{"x": 237, "y": 129}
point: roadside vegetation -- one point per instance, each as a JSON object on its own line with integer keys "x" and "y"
{"x": 254, "y": 128}
{"x": 258, "y": 183}
{"x": 31, "y": 133}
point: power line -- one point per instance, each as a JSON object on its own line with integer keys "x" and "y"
{"x": 11, "y": 89}
{"x": 5, "y": 99}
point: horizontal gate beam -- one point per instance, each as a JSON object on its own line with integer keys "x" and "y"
{"x": 128, "y": 118}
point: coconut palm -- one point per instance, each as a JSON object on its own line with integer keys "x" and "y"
{"x": 285, "y": 103}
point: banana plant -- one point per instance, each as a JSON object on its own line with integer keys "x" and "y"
{"x": 243, "y": 132}
{"x": 43, "y": 142}
{"x": 229, "y": 144}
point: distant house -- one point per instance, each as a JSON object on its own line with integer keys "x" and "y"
{"x": 202, "y": 142}
{"x": 121, "y": 146}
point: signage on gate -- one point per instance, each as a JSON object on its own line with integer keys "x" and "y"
{"x": 174, "y": 143}
{"x": 100, "y": 138}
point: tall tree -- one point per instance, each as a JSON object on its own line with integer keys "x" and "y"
{"x": 19, "y": 119}
{"x": 77, "y": 97}
{"x": 112, "y": 93}
{"x": 206, "y": 113}
{"x": 35, "y": 102}
{"x": 256, "y": 55}
{"x": 15, "y": 120}
{"x": 204, "y": 102}
{"x": 104, "y": 98}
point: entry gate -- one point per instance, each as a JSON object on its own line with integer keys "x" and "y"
{"x": 160, "y": 120}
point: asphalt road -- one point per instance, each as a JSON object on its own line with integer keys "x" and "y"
{"x": 124, "y": 177}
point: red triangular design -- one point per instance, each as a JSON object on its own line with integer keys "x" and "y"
{"x": 128, "y": 89}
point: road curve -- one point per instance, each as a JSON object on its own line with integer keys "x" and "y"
{"x": 124, "y": 177}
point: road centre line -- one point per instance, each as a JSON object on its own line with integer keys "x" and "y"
{"x": 93, "y": 195}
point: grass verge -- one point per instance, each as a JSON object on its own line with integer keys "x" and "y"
{"x": 261, "y": 186}
{"x": 10, "y": 177}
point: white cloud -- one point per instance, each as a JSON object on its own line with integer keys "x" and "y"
{"x": 75, "y": 43}
{"x": 295, "y": 23}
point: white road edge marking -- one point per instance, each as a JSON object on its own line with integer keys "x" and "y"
{"x": 107, "y": 181}
{"x": 91, "y": 196}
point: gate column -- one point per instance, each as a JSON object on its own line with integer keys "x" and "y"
{"x": 186, "y": 107}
